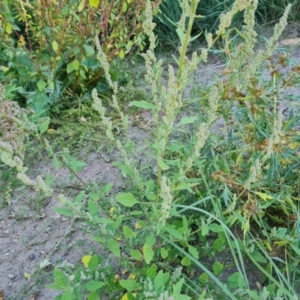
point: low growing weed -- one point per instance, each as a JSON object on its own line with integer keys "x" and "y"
{"x": 212, "y": 194}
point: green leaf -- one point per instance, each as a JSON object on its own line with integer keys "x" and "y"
{"x": 264, "y": 196}
{"x": 143, "y": 104}
{"x": 205, "y": 230}
{"x": 93, "y": 296}
{"x": 136, "y": 254}
{"x": 44, "y": 126}
{"x": 193, "y": 251}
{"x": 126, "y": 199}
{"x": 186, "y": 261}
{"x": 81, "y": 6}
{"x": 67, "y": 295}
{"x": 215, "y": 228}
{"x": 93, "y": 285}
{"x": 56, "y": 162}
{"x": 70, "y": 68}
{"x": 79, "y": 197}
{"x": 55, "y": 46}
{"x": 217, "y": 268}
{"x": 64, "y": 211}
{"x": 76, "y": 64}
{"x": 147, "y": 249}
{"x": 104, "y": 221}
{"x": 162, "y": 164}
{"x": 176, "y": 291}
{"x": 130, "y": 285}
{"x": 151, "y": 272}
{"x": 93, "y": 208}
{"x": 164, "y": 252}
{"x": 159, "y": 280}
{"x": 187, "y": 120}
{"x": 173, "y": 232}
{"x": 77, "y": 165}
{"x": 203, "y": 278}
{"x": 258, "y": 257}
{"x": 89, "y": 50}
{"x": 114, "y": 247}
{"x": 93, "y": 263}
{"x": 235, "y": 281}
{"x": 127, "y": 232}
{"x": 94, "y": 3}
{"x": 60, "y": 278}
{"x": 41, "y": 84}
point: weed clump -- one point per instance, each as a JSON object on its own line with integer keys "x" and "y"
{"x": 211, "y": 195}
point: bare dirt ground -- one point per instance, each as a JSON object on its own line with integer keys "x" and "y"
{"x": 32, "y": 235}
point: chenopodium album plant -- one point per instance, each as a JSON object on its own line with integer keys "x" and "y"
{"x": 203, "y": 184}
{"x": 180, "y": 196}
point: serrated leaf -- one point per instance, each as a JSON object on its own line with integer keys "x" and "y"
{"x": 143, "y": 104}
{"x": 136, "y": 254}
{"x": 54, "y": 45}
{"x": 60, "y": 278}
{"x": 187, "y": 120}
{"x": 129, "y": 285}
{"x": 94, "y": 285}
{"x": 151, "y": 272}
{"x": 126, "y": 199}
{"x": 147, "y": 249}
{"x": 114, "y": 247}
{"x": 94, "y": 3}
{"x": 159, "y": 280}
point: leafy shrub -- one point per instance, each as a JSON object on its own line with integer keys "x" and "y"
{"x": 209, "y": 194}
{"x": 48, "y": 48}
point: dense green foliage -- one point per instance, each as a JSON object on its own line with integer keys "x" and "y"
{"x": 47, "y": 50}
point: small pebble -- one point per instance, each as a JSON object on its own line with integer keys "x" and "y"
{"x": 31, "y": 256}
{"x": 11, "y": 276}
